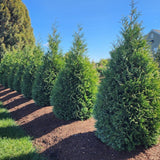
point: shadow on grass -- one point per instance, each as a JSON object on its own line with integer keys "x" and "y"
{"x": 4, "y": 115}
{"x": 44, "y": 125}
{"x": 86, "y": 146}
{"x": 13, "y": 132}
{"x": 29, "y": 156}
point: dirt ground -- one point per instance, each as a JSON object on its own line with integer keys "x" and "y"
{"x": 65, "y": 140}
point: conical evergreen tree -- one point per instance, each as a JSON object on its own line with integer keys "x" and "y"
{"x": 25, "y": 56}
{"x": 29, "y": 73}
{"x": 74, "y": 92}
{"x": 15, "y": 26}
{"x": 47, "y": 72}
{"x": 157, "y": 56}
{"x": 127, "y": 109}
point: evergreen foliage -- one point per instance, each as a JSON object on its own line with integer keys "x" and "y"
{"x": 15, "y": 26}
{"x": 25, "y": 56}
{"x": 74, "y": 92}
{"x": 127, "y": 109}
{"x": 5, "y": 67}
{"x": 17, "y": 78}
{"x": 101, "y": 66}
{"x": 29, "y": 73}
{"x": 47, "y": 72}
{"x": 11, "y": 76}
{"x": 157, "y": 56}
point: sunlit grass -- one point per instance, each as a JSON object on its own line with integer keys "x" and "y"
{"x": 14, "y": 143}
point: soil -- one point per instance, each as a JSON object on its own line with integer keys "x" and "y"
{"x": 65, "y": 140}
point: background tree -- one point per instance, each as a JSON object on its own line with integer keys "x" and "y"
{"x": 15, "y": 26}
{"x": 25, "y": 56}
{"x": 157, "y": 56}
{"x": 29, "y": 72}
{"x": 47, "y": 72}
{"x": 101, "y": 66}
{"x": 74, "y": 92}
{"x": 127, "y": 109}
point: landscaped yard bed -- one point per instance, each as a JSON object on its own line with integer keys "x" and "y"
{"x": 58, "y": 139}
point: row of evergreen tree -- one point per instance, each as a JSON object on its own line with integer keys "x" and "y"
{"x": 69, "y": 82}
{"x": 127, "y": 107}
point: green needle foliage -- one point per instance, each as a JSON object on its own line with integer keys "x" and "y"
{"x": 15, "y": 26}
{"x": 6, "y": 65}
{"x": 29, "y": 73}
{"x": 74, "y": 92}
{"x": 127, "y": 109}
{"x": 11, "y": 76}
{"x": 25, "y": 56}
{"x": 157, "y": 56}
{"x": 47, "y": 72}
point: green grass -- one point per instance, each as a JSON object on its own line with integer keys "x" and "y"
{"x": 14, "y": 143}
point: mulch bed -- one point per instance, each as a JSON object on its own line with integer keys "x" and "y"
{"x": 65, "y": 140}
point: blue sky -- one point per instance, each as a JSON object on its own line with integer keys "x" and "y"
{"x": 100, "y": 20}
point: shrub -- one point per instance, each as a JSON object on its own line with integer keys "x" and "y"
{"x": 24, "y": 58}
{"x": 29, "y": 72}
{"x": 11, "y": 77}
{"x": 101, "y": 66}
{"x": 74, "y": 92}
{"x": 5, "y": 67}
{"x": 47, "y": 72}
{"x": 18, "y": 78}
{"x": 127, "y": 109}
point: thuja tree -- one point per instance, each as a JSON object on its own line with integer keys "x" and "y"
{"x": 127, "y": 109}
{"x": 47, "y": 72}
{"x": 29, "y": 72}
{"x": 157, "y": 56}
{"x": 11, "y": 75}
{"x": 4, "y": 69}
{"x": 74, "y": 92}
{"x": 15, "y": 29}
{"x": 6, "y": 65}
{"x": 25, "y": 57}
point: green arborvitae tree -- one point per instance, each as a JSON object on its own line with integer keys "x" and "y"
{"x": 15, "y": 26}
{"x": 157, "y": 56}
{"x": 25, "y": 56}
{"x": 29, "y": 73}
{"x": 127, "y": 109}
{"x": 11, "y": 76}
{"x": 101, "y": 66}
{"x": 5, "y": 67}
{"x": 74, "y": 92}
{"x": 47, "y": 72}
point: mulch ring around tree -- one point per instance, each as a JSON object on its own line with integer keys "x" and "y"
{"x": 65, "y": 140}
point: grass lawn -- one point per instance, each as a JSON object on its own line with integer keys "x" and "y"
{"x": 14, "y": 143}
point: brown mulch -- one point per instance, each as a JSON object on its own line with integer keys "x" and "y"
{"x": 65, "y": 140}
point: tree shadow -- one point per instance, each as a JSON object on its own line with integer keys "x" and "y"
{"x": 4, "y": 115}
{"x": 13, "y": 132}
{"x": 12, "y": 95}
{"x": 16, "y": 102}
{"x": 86, "y": 146}
{"x": 44, "y": 125}
{"x": 24, "y": 111}
{"x": 4, "y": 91}
{"x": 29, "y": 156}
